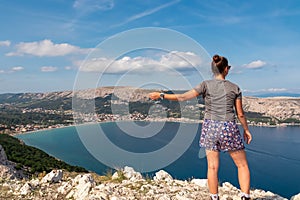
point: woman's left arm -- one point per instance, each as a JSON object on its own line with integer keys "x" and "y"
{"x": 175, "y": 97}
{"x": 242, "y": 118}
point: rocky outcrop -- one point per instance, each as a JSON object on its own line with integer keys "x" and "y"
{"x": 53, "y": 177}
{"x": 128, "y": 94}
{"x": 276, "y": 107}
{"x": 3, "y": 158}
{"x": 7, "y": 168}
{"x": 296, "y": 197}
{"x": 125, "y": 184}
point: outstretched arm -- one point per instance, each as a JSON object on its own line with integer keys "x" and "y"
{"x": 242, "y": 118}
{"x": 175, "y": 97}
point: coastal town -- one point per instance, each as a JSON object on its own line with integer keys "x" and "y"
{"x": 21, "y": 113}
{"x": 98, "y": 118}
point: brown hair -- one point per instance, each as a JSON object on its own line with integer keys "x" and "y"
{"x": 218, "y": 64}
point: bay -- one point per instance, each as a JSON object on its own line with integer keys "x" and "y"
{"x": 273, "y": 156}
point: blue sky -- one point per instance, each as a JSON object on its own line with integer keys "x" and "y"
{"x": 43, "y": 44}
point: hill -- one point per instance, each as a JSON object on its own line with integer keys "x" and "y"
{"x": 30, "y": 159}
{"x": 33, "y": 111}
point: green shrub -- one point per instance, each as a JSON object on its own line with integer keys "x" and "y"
{"x": 34, "y": 159}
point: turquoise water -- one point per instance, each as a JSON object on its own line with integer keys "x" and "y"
{"x": 274, "y": 154}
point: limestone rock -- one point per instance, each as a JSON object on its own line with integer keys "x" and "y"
{"x": 98, "y": 195}
{"x": 261, "y": 194}
{"x": 83, "y": 184}
{"x": 115, "y": 176}
{"x": 162, "y": 176}
{"x": 200, "y": 182}
{"x": 3, "y": 158}
{"x": 131, "y": 174}
{"x": 64, "y": 188}
{"x": 296, "y": 197}
{"x": 53, "y": 177}
{"x": 7, "y": 170}
{"x": 118, "y": 198}
{"x": 34, "y": 183}
{"x": 26, "y": 189}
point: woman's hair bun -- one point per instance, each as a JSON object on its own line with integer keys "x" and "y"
{"x": 216, "y": 58}
{"x": 218, "y": 64}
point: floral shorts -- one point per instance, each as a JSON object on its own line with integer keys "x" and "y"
{"x": 221, "y": 136}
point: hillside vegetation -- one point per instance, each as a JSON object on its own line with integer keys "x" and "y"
{"x": 31, "y": 159}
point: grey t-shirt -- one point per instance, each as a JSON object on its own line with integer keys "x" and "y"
{"x": 219, "y": 97}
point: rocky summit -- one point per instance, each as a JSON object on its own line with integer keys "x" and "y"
{"x": 124, "y": 184}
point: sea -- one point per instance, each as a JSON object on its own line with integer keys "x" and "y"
{"x": 273, "y": 155}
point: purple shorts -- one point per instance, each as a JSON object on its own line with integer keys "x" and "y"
{"x": 221, "y": 136}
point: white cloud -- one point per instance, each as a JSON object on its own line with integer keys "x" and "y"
{"x": 68, "y": 68}
{"x": 12, "y": 70}
{"x": 18, "y": 68}
{"x": 277, "y": 90}
{"x": 146, "y": 13}
{"x": 5, "y": 43}
{"x": 179, "y": 61}
{"x": 267, "y": 90}
{"x": 46, "y": 48}
{"x": 255, "y": 64}
{"x": 48, "y": 69}
{"x": 93, "y": 5}
{"x": 154, "y": 10}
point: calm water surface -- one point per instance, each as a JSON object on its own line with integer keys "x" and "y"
{"x": 274, "y": 154}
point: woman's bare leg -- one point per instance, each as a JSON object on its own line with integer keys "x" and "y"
{"x": 212, "y": 171}
{"x": 240, "y": 160}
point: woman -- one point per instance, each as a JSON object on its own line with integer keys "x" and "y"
{"x": 223, "y": 100}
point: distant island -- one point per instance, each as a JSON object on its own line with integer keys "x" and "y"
{"x": 23, "y": 112}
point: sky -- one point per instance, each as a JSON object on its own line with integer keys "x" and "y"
{"x": 57, "y": 45}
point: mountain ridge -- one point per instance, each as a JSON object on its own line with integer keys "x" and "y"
{"x": 261, "y": 111}
{"x": 102, "y": 91}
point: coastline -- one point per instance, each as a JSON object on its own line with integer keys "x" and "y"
{"x": 100, "y": 122}
{"x": 179, "y": 120}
